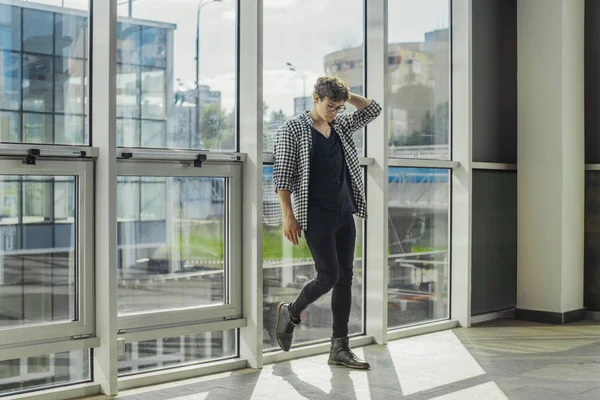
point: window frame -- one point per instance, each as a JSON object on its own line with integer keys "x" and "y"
{"x": 232, "y": 307}
{"x": 83, "y": 171}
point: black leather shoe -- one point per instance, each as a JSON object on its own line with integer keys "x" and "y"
{"x": 341, "y": 354}
{"x": 284, "y": 328}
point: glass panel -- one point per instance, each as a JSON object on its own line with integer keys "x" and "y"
{"x": 10, "y": 369}
{"x": 43, "y": 372}
{"x": 10, "y": 126}
{"x": 64, "y": 206}
{"x": 418, "y": 261}
{"x": 10, "y": 27}
{"x": 419, "y": 79}
{"x": 287, "y": 267}
{"x": 10, "y": 80}
{"x": 37, "y": 260}
{"x": 128, "y": 91}
{"x": 154, "y": 47}
{"x": 128, "y": 43}
{"x": 153, "y": 94}
{"x": 37, "y": 83}
{"x": 37, "y": 128}
{"x": 69, "y": 129}
{"x": 171, "y": 243}
{"x": 177, "y": 351}
{"x": 153, "y": 134}
{"x": 37, "y": 200}
{"x": 70, "y": 36}
{"x": 69, "y": 91}
{"x": 128, "y": 132}
{"x": 336, "y": 48}
{"x": 161, "y": 55}
{"x": 153, "y": 199}
{"x": 38, "y": 31}
{"x": 38, "y": 365}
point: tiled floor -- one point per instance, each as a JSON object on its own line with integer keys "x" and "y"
{"x": 498, "y": 360}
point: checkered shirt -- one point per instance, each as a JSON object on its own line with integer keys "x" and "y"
{"x": 292, "y": 157}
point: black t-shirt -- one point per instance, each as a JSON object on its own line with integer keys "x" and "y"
{"x": 330, "y": 184}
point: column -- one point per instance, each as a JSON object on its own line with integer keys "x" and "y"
{"x": 550, "y": 160}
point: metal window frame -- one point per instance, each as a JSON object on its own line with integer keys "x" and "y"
{"x": 84, "y": 270}
{"x": 232, "y": 309}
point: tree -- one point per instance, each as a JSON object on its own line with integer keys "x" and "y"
{"x": 211, "y": 121}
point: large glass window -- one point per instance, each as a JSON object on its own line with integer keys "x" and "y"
{"x": 418, "y": 261}
{"x": 178, "y": 100}
{"x": 147, "y": 355}
{"x": 171, "y": 243}
{"x": 37, "y": 258}
{"x": 44, "y": 372}
{"x": 287, "y": 267}
{"x": 419, "y": 79}
{"x": 332, "y": 30}
{"x": 43, "y": 73}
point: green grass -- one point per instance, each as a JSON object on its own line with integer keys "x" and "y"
{"x": 206, "y": 245}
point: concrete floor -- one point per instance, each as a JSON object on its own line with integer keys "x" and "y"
{"x": 502, "y": 359}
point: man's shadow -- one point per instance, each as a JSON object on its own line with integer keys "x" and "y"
{"x": 342, "y": 386}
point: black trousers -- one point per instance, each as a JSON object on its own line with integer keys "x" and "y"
{"x": 331, "y": 237}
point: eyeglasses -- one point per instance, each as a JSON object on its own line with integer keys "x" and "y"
{"x": 332, "y": 108}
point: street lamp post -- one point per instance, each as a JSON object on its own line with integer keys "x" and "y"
{"x": 201, "y": 4}
{"x": 292, "y": 67}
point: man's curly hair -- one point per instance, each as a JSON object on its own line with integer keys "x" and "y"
{"x": 332, "y": 87}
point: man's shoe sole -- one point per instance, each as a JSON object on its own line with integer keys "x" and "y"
{"x": 341, "y": 364}
{"x": 277, "y": 326}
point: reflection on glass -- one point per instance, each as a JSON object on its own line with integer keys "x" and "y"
{"x": 10, "y": 126}
{"x": 418, "y": 261}
{"x": 128, "y": 43}
{"x": 181, "y": 100}
{"x": 171, "y": 243}
{"x": 44, "y": 372}
{"x": 69, "y": 129}
{"x": 153, "y": 134}
{"x": 10, "y": 80}
{"x": 287, "y": 267}
{"x": 154, "y": 47}
{"x": 37, "y": 255}
{"x": 69, "y": 90}
{"x": 289, "y": 75}
{"x": 70, "y": 36}
{"x": 10, "y": 28}
{"x": 177, "y": 351}
{"x": 419, "y": 79}
{"x": 128, "y": 132}
{"x": 153, "y": 94}
{"x": 37, "y": 128}
{"x": 128, "y": 91}
{"x": 37, "y": 83}
{"x": 38, "y": 31}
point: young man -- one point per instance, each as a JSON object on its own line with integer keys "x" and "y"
{"x": 316, "y": 161}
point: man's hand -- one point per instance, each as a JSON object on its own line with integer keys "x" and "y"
{"x": 291, "y": 229}
{"x": 358, "y": 101}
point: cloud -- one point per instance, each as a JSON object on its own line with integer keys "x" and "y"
{"x": 229, "y": 15}
{"x": 280, "y": 87}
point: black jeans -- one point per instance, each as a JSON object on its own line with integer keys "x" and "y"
{"x": 331, "y": 237}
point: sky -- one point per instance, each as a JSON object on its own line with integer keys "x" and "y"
{"x": 298, "y": 31}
